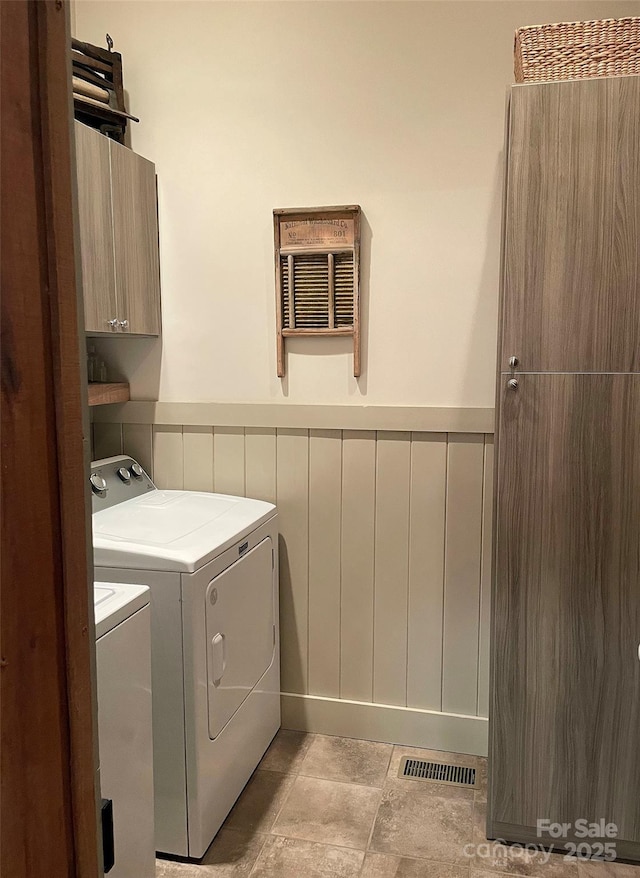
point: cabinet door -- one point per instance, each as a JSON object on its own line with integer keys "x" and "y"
{"x": 96, "y": 229}
{"x": 135, "y": 229}
{"x": 565, "y": 675}
{"x": 572, "y": 264}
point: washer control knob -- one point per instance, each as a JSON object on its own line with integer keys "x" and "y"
{"x": 124, "y": 474}
{"x": 137, "y": 471}
{"x": 98, "y": 484}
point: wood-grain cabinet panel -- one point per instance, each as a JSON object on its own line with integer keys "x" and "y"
{"x": 118, "y": 219}
{"x": 135, "y": 233}
{"x": 572, "y": 259}
{"x": 96, "y": 229}
{"x": 566, "y": 628}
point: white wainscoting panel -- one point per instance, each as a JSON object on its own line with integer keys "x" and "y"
{"x": 462, "y": 564}
{"x": 385, "y": 565}
{"x": 292, "y": 462}
{"x": 325, "y": 520}
{"x": 391, "y": 580}
{"x": 138, "y": 440}
{"x": 260, "y": 463}
{"x": 426, "y": 569}
{"x": 198, "y": 458}
{"x": 357, "y": 564}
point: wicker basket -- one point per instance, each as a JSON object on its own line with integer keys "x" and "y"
{"x": 577, "y": 50}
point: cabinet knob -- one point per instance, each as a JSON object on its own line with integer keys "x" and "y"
{"x": 513, "y": 362}
{"x": 123, "y": 324}
{"x": 113, "y": 323}
{"x": 512, "y": 384}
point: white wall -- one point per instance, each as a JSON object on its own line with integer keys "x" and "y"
{"x": 397, "y": 106}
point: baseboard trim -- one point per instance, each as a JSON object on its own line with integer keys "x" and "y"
{"x": 527, "y": 835}
{"x": 453, "y": 733}
{"x": 293, "y": 416}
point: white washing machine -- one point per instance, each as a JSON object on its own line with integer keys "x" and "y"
{"x": 123, "y": 667}
{"x": 211, "y": 563}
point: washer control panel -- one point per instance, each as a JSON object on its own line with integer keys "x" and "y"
{"x": 116, "y": 479}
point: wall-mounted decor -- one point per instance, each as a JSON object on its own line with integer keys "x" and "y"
{"x": 317, "y": 255}
{"x": 98, "y": 90}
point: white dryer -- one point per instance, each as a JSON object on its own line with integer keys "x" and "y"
{"x": 211, "y": 564}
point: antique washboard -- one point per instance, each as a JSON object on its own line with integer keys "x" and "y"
{"x": 317, "y": 256}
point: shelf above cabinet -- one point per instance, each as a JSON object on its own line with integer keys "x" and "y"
{"x": 104, "y": 394}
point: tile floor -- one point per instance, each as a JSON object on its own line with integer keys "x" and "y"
{"x": 322, "y": 807}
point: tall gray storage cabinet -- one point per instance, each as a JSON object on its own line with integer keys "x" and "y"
{"x": 565, "y": 677}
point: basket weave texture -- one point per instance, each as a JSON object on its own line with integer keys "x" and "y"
{"x": 577, "y": 50}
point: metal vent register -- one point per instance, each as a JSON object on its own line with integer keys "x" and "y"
{"x": 438, "y": 772}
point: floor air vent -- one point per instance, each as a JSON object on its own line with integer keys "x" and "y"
{"x": 437, "y": 772}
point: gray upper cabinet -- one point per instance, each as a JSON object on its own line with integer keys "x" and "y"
{"x": 96, "y": 230}
{"x": 572, "y": 269}
{"x": 135, "y": 233}
{"x": 118, "y": 236}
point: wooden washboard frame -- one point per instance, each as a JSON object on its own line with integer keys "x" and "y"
{"x": 317, "y": 264}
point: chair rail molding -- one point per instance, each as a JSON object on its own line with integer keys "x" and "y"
{"x": 453, "y": 419}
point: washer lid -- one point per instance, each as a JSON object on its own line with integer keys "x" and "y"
{"x": 113, "y": 602}
{"x": 173, "y": 530}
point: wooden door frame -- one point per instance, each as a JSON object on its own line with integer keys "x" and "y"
{"x": 47, "y": 728}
